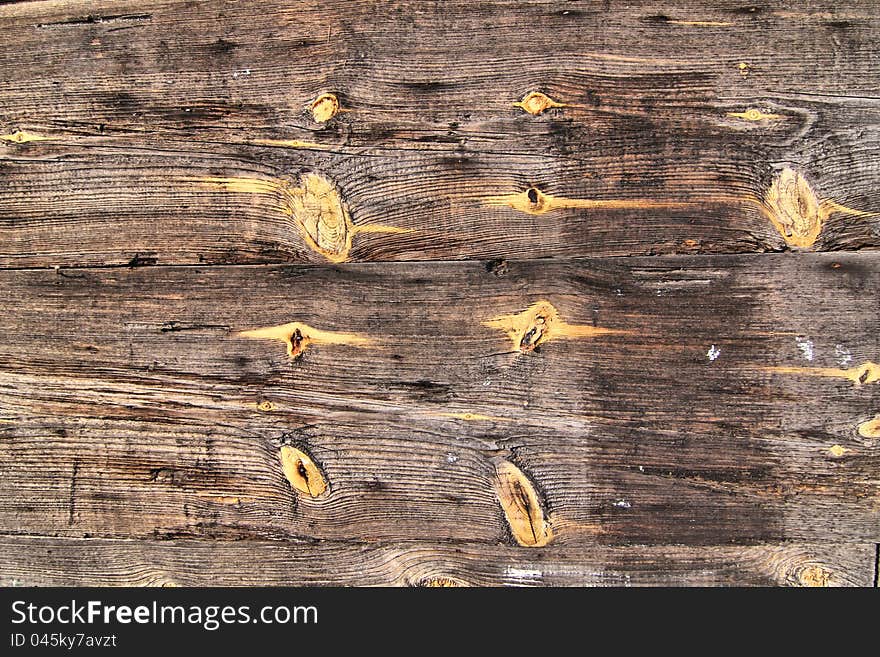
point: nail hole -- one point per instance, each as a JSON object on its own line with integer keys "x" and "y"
{"x": 296, "y": 339}
{"x": 533, "y": 195}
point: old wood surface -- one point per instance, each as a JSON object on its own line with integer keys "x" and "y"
{"x": 257, "y": 334}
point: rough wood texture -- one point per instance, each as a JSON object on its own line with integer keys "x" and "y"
{"x": 198, "y": 358}
{"x": 686, "y": 115}
{"x": 133, "y": 406}
{"x": 77, "y": 562}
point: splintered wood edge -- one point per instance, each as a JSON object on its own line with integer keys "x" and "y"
{"x": 540, "y": 323}
{"x": 298, "y": 337}
{"x": 301, "y": 471}
{"x": 521, "y": 505}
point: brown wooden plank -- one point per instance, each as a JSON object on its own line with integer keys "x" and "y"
{"x": 38, "y": 561}
{"x": 127, "y": 101}
{"x": 131, "y": 407}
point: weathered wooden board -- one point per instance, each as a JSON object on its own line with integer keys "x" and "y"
{"x": 674, "y": 124}
{"x": 386, "y": 337}
{"x": 132, "y": 407}
{"x": 78, "y": 562}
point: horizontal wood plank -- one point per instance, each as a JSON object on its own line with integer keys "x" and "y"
{"x": 717, "y": 406}
{"x": 37, "y": 561}
{"x": 309, "y": 293}
{"x": 673, "y": 125}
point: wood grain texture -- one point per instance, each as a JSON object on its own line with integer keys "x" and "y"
{"x": 133, "y": 408}
{"x": 418, "y": 293}
{"x": 75, "y": 562}
{"x": 683, "y": 115}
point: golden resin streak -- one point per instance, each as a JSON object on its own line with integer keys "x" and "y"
{"x": 316, "y": 207}
{"x": 298, "y": 337}
{"x": 379, "y": 228}
{"x": 535, "y": 102}
{"x": 755, "y": 115}
{"x": 533, "y": 201}
{"x": 292, "y": 143}
{"x": 868, "y": 372}
{"x": 301, "y": 471}
{"x": 540, "y": 323}
{"x": 21, "y": 137}
{"x": 230, "y": 500}
{"x": 871, "y": 428}
{"x": 837, "y": 450}
{"x": 796, "y": 212}
{"x": 521, "y": 506}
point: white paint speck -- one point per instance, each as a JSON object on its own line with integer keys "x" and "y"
{"x": 623, "y": 504}
{"x": 245, "y": 72}
{"x": 806, "y": 347}
{"x": 713, "y": 353}
{"x": 641, "y": 468}
{"x": 451, "y": 458}
{"x": 523, "y": 574}
{"x": 844, "y": 355}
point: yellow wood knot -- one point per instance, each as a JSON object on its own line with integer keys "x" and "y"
{"x": 871, "y": 428}
{"x": 21, "y": 137}
{"x": 535, "y": 102}
{"x": 435, "y": 582}
{"x": 521, "y": 506}
{"x": 813, "y": 576}
{"x": 298, "y": 337}
{"x": 867, "y": 372}
{"x": 301, "y": 471}
{"x": 796, "y": 211}
{"x": 837, "y": 450}
{"x": 316, "y": 207}
{"x": 266, "y": 406}
{"x": 324, "y": 108}
{"x": 323, "y": 216}
{"x": 754, "y": 115}
{"x": 540, "y": 323}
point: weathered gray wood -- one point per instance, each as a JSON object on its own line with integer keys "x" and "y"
{"x": 77, "y": 562}
{"x": 723, "y": 408}
{"x": 130, "y": 404}
{"x": 131, "y": 100}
